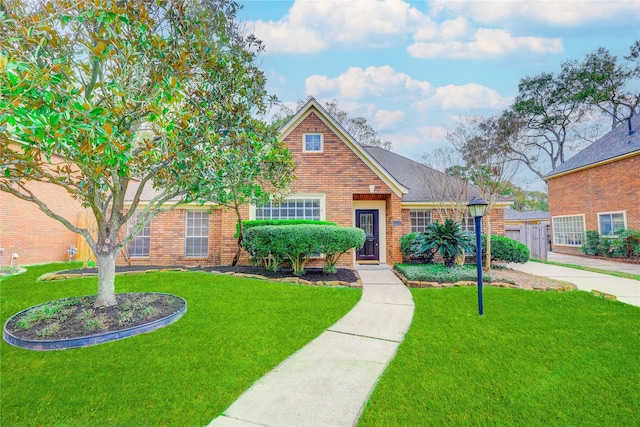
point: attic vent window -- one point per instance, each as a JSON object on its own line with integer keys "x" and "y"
{"x": 313, "y": 143}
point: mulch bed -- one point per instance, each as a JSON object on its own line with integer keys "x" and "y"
{"x": 77, "y": 317}
{"x": 311, "y": 275}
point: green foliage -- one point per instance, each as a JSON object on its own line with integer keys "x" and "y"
{"x": 506, "y": 249}
{"x": 625, "y": 245}
{"x": 166, "y": 93}
{"x": 440, "y": 273}
{"x": 335, "y": 241}
{"x": 445, "y": 238}
{"x": 409, "y": 245}
{"x": 262, "y": 222}
{"x": 591, "y": 244}
{"x": 273, "y": 244}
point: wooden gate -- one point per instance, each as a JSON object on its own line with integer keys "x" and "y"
{"x": 534, "y": 236}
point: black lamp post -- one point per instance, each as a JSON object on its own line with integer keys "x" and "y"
{"x": 477, "y": 207}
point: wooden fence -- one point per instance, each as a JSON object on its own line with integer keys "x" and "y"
{"x": 534, "y": 236}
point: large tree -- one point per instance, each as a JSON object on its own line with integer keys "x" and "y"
{"x": 603, "y": 82}
{"x": 553, "y": 114}
{"x": 542, "y": 122}
{"x": 97, "y": 95}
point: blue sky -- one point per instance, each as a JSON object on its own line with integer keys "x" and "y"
{"x": 412, "y": 67}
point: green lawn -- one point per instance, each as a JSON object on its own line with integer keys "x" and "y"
{"x": 234, "y": 332}
{"x": 534, "y": 358}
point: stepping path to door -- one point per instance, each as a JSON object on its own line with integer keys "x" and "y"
{"x": 328, "y": 382}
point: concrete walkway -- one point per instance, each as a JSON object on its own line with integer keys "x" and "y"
{"x": 625, "y": 290}
{"x": 602, "y": 264}
{"x": 328, "y": 382}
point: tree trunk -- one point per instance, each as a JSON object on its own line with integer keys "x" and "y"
{"x": 236, "y": 257}
{"x": 106, "y": 280}
{"x": 488, "y": 233}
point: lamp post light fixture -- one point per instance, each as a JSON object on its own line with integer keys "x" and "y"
{"x": 477, "y": 207}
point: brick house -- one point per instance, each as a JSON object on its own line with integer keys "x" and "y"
{"x": 337, "y": 180}
{"x": 34, "y": 236}
{"x": 597, "y": 189}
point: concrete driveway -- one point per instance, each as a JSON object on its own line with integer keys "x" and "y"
{"x": 625, "y": 290}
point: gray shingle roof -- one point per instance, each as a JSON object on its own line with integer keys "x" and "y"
{"x": 425, "y": 184}
{"x": 616, "y": 143}
{"x": 514, "y": 215}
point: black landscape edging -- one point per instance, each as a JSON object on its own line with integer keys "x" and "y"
{"x": 63, "y": 344}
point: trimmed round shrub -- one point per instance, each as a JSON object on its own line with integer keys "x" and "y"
{"x": 263, "y": 222}
{"x": 505, "y": 249}
{"x": 271, "y": 245}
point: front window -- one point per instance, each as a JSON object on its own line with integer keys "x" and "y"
{"x": 568, "y": 230}
{"x": 611, "y": 223}
{"x": 468, "y": 223}
{"x": 292, "y": 208}
{"x": 139, "y": 246}
{"x": 313, "y": 142}
{"x": 419, "y": 219}
{"x": 197, "y": 234}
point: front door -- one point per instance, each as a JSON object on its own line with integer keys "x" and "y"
{"x": 367, "y": 220}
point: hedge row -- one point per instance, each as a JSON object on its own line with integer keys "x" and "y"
{"x": 271, "y": 245}
{"x": 625, "y": 245}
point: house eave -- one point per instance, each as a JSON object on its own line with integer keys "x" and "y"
{"x": 592, "y": 165}
{"x": 502, "y": 204}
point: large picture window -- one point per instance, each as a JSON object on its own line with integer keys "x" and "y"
{"x": 197, "y": 234}
{"x": 292, "y": 208}
{"x": 568, "y": 230}
{"x": 610, "y": 223}
{"x": 139, "y": 246}
{"x": 419, "y": 219}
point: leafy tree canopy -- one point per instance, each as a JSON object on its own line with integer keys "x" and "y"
{"x": 104, "y": 97}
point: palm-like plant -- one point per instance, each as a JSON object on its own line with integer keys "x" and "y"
{"x": 447, "y": 239}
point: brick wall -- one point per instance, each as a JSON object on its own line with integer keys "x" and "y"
{"x": 607, "y": 188}
{"x": 34, "y": 236}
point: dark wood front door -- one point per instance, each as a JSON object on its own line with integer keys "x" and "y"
{"x": 367, "y": 220}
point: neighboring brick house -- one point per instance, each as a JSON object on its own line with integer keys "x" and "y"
{"x": 597, "y": 189}
{"x": 34, "y": 236}
{"x": 337, "y": 180}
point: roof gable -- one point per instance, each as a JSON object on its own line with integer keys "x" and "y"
{"x": 616, "y": 144}
{"x": 313, "y": 106}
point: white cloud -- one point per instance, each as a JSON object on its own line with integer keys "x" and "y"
{"x": 485, "y": 43}
{"x": 357, "y": 83}
{"x": 313, "y": 26}
{"x": 466, "y": 98}
{"x": 385, "y": 120}
{"x": 566, "y": 13}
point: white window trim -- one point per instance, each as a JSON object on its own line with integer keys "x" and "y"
{"x": 321, "y": 196}
{"x": 134, "y": 218}
{"x": 304, "y": 142}
{"x": 553, "y": 230}
{"x": 624, "y": 218}
{"x": 411, "y": 225}
{"x": 187, "y": 237}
